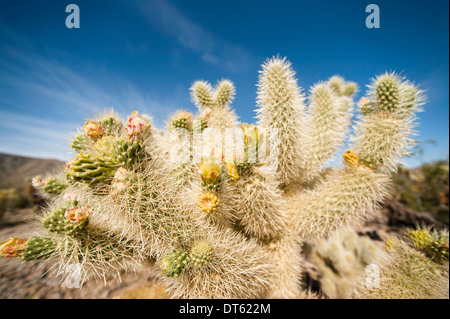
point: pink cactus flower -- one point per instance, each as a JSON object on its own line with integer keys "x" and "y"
{"x": 136, "y": 125}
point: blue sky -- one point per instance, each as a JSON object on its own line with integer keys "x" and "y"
{"x": 144, "y": 55}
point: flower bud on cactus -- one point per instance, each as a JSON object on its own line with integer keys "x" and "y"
{"x": 90, "y": 169}
{"x": 201, "y": 253}
{"x": 252, "y": 141}
{"x": 120, "y": 181}
{"x": 137, "y": 126}
{"x": 232, "y": 171}
{"x": 77, "y": 214}
{"x": 38, "y": 181}
{"x": 206, "y": 114}
{"x": 173, "y": 263}
{"x": 71, "y": 197}
{"x": 93, "y": 130}
{"x": 365, "y": 105}
{"x": 12, "y": 247}
{"x": 351, "y": 158}
{"x": 210, "y": 173}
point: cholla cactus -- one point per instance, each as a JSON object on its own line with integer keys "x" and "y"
{"x": 407, "y": 272}
{"x": 217, "y": 224}
{"x": 434, "y": 244}
{"x": 216, "y": 100}
{"x": 342, "y": 260}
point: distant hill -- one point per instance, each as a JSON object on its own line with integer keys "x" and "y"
{"x": 16, "y": 170}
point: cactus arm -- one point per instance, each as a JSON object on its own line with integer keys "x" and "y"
{"x": 345, "y": 197}
{"x": 281, "y": 107}
{"x": 201, "y": 94}
{"x": 351, "y": 195}
{"x": 329, "y": 120}
{"x": 384, "y": 131}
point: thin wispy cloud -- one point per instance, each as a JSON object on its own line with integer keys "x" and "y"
{"x": 168, "y": 20}
{"x": 66, "y": 88}
{"x": 42, "y": 100}
{"x": 35, "y": 137}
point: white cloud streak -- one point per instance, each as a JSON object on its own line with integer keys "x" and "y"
{"x": 42, "y": 100}
{"x": 168, "y": 20}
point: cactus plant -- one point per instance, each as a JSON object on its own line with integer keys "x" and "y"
{"x": 341, "y": 259}
{"x": 407, "y": 272}
{"x": 434, "y": 244}
{"x": 225, "y": 215}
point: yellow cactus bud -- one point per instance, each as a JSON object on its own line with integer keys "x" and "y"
{"x": 208, "y": 202}
{"x": 12, "y": 247}
{"x": 232, "y": 171}
{"x": 351, "y": 158}
{"x": 93, "y": 130}
{"x": 210, "y": 172}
